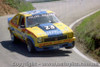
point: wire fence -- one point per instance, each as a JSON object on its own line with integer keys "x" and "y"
{"x": 39, "y": 0}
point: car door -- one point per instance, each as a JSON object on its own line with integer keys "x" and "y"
{"x": 14, "y": 23}
{"x": 21, "y": 27}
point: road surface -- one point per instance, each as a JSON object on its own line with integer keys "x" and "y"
{"x": 16, "y": 55}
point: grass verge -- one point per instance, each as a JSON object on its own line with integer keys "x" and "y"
{"x": 20, "y": 5}
{"x": 88, "y": 32}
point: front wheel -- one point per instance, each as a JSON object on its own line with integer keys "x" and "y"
{"x": 13, "y": 38}
{"x": 71, "y": 45}
{"x": 30, "y": 46}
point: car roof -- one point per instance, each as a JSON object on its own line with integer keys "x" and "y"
{"x": 35, "y": 12}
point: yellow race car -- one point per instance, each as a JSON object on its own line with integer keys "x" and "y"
{"x": 41, "y": 30}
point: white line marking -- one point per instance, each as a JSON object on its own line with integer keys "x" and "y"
{"x": 75, "y": 49}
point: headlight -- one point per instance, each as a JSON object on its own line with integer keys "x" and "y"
{"x": 70, "y": 35}
{"x": 40, "y": 40}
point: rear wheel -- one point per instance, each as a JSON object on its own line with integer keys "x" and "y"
{"x": 30, "y": 46}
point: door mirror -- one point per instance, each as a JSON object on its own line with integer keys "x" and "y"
{"x": 22, "y": 26}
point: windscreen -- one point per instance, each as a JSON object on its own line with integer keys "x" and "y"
{"x": 40, "y": 19}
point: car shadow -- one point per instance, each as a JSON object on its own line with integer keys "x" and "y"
{"x": 22, "y": 49}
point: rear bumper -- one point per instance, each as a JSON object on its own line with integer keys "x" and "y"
{"x": 53, "y": 47}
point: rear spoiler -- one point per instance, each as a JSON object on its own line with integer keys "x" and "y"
{"x": 9, "y": 19}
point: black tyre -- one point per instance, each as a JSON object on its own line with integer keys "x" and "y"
{"x": 30, "y": 46}
{"x": 73, "y": 43}
{"x": 13, "y": 38}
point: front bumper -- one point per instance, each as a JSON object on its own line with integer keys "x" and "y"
{"x": 68, "y": 43}
{"x": 53, "y": 47}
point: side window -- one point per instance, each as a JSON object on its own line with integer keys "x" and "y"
{"x": 15, "y": 19}
{"x": 21, "y": 21}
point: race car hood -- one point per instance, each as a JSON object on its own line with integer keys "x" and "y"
{"x": 50, "y": 30}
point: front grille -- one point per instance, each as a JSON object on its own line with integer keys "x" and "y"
{"x": 55, "y": 38}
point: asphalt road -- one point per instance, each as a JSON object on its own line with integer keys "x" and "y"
{"x": 16, "y": 55}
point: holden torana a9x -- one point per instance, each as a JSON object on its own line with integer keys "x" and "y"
{"x": 41, "y": 30}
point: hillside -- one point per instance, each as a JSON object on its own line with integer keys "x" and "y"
{"x": 14, "y": 6}
{"x": 6, "y": 9}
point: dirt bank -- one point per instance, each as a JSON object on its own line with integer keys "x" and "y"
{"x": 6, "y": 9}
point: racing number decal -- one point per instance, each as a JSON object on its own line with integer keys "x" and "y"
{"x": 49, "y": 27}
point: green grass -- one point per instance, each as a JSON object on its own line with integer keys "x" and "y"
{"x": 88, "y": 32}
{"x": 20, "y": 5}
